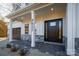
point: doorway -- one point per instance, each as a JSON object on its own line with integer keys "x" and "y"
{"x": 53, "y": 31}
{"x": 16, "y": 33}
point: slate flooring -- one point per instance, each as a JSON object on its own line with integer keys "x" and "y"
{"x": 42, "y": 49}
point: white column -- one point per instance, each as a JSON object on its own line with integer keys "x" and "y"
{"x": 77, "y": 20}
{"x": 71, "y": 28}
{"x": 10, "y": 31}
{"x": 33, "y": 29}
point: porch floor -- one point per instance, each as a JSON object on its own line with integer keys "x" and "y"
{"x": 42, "y": 49}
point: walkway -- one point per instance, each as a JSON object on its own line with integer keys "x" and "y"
{"x": 43, "y": 48}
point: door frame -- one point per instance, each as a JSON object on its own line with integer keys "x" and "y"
{"x": 61, "y": 29}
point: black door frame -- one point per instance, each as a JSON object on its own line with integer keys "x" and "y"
{"x": 61, "y": 19}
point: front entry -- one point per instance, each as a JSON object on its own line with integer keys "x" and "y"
{"x": 53, "y": 30}
{"x": 16, "y": 33}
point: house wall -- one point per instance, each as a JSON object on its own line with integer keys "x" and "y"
{"x": 40, "y": 19}
{"x": 60, "y": 13}
{"x": 55, "y": 14}
{"x": 17, "y": 24}
{"x": 49, "y": 15}
{"x": 40, "y": 28}
{"x": 77, "y": 25}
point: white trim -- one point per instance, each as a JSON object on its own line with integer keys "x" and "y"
{"x": 9, "y": 16}
{"x": 19, "y": 10}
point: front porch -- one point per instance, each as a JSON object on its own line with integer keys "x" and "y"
{"x": 36, "y": 18}
{"x": 41, "y": 48}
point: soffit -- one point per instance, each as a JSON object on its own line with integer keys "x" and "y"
{"x": 24, "y": 11}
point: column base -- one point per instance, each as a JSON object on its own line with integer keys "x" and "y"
{"x": 10, "y": 40}
{"x": 32, "y": 43}
{"x": 71, "y": 52}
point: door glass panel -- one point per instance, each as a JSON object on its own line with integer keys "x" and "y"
{"x": 52, "y": 23}
{"x": 26, "y": 28}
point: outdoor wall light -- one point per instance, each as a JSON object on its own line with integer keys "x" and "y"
{"x": 52, "y": 9}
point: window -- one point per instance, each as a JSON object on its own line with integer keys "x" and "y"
{"x": 26, "y": 28}
{"x": 52, "y": 23}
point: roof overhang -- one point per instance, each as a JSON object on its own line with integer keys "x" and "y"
{"x": 27, "y": 9}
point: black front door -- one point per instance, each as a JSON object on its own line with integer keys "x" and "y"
{"x": 53, "y": 30}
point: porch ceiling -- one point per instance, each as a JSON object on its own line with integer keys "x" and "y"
{"x": 23, "y": 18}
{"x": 26, "y": 10}
{"x": 57, "y": 7}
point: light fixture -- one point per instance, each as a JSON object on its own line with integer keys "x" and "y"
{"x": 52, "y": 9}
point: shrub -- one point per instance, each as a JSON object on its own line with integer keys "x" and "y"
{"x": 23, "y": 52}
{"x": 8, "y": 45}
{"x": 14, "y": 49}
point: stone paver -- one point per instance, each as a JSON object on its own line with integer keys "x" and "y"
{"x": 41, "y": 49}
{"x": 35, "y": 52}
{"x": 5, "y": 51}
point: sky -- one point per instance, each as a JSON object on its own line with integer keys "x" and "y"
{"x": 5, "y": 9}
